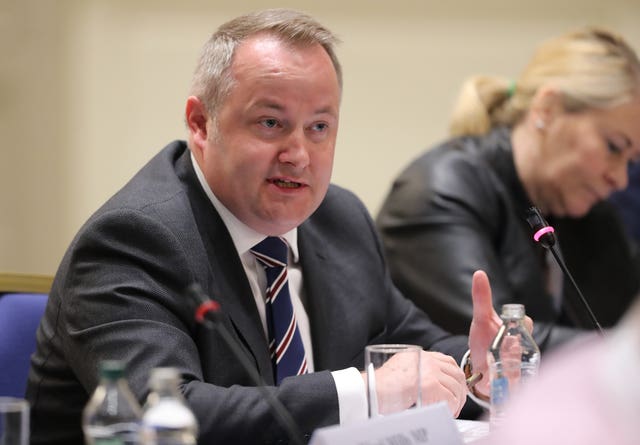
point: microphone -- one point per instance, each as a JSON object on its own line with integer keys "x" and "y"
{"x": 544, "y": 234}
{"x": 208, "y": 314}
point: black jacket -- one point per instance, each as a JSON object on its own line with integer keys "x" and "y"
{"x": 460, "y": 207}
{"x": 120, "y": 294}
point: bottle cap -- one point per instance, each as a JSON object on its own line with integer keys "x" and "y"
{"x": 111, "y": 369}
{"x": 512, "y": 311}
{"x": 160, "y": 377}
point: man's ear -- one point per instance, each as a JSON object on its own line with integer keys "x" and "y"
{"x": 546, "y": 105}
{"x": 196, "y": 117}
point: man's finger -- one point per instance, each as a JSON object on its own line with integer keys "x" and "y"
{"x": 528, "y": 323}
{"x": 481, "y": 296}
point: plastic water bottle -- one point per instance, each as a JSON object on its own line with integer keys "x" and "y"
{"x": 112, "y": 416}
{"x": 513, "y": 358}
{"x": 167, "y": 420}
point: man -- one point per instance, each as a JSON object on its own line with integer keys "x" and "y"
{"x": 262, "y": 121}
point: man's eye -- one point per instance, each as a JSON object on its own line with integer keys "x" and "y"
{"x": 320, "y": 126}
{"x": 269, "y": 123}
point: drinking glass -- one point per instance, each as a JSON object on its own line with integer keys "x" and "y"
{"x": 393, "y": 378}
{"x": 14, "y": 421}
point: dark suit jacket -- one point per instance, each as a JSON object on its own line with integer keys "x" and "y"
{"x": 119, "y": 294}
{"x": 460, "y": 207}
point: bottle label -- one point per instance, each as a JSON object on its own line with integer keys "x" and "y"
{"x": 499, "y": 390}
{"x": 114, "y": 434}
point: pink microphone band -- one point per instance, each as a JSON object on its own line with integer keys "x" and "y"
{"x": 539, "y": 233}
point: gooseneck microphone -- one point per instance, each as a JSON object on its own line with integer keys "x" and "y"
{"x": 208, "y": 314}
{"x": 544, "y": 234}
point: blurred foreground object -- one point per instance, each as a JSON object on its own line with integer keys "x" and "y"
{"x": 167, "y": 419}
{"x": 587, "y": 392}
{"x": 112, "y": 415}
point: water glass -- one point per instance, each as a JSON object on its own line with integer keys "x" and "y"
{"x": 393, "y": 378}
{"x": 14, "y": 421}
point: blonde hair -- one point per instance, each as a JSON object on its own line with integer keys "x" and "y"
{"x": 591, "y": 68}
{"x": 212, "y": 79}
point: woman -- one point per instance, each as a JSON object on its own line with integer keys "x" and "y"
{"x": 560, "y": 138}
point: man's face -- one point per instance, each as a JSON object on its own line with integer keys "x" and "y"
{"x": 270, "y": 156}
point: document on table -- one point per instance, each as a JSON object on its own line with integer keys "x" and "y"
{"x": 472, "y": 430}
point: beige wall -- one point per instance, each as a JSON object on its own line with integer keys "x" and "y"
{"x": 91, "y": 89}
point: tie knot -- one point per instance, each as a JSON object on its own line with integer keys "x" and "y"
{"x": 271, "y": 252}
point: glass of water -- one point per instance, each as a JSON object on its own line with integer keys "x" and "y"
{"x": 14, "y": 421}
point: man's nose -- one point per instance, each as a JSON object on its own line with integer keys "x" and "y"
{"x": 294, "y": 150}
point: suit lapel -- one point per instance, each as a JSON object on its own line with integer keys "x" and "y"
{"x": 228, "y": 282}
{"x": 326, "y": 304}
{"x": 239, "y": 306}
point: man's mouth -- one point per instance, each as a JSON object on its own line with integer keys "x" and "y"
{"x": 286, "y": 183}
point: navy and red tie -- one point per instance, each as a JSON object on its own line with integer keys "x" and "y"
{"x": 285, "y": 341}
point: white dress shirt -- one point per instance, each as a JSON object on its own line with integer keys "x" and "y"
{"x": 352, "y": 401}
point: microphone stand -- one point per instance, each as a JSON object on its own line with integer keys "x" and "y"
{"x": 545, "y": 234}
{"x": 565, "y": 270}
{"x": 207, "y": 306}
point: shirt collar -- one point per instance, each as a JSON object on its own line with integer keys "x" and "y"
{"x": 243, "y": 236}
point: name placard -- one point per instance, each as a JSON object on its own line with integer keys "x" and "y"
{"x": 432, "y": 424}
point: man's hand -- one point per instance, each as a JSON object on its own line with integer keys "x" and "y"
{"x": 441, "y": 379}
{"x": 484, "y": 327}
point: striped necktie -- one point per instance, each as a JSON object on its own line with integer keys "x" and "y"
{"x": 285, "y": 341}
